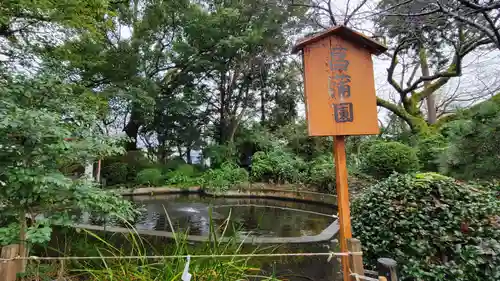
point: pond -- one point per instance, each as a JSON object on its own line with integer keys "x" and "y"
{"x": 283, "y": 225}
{"x": 246, "y": 216}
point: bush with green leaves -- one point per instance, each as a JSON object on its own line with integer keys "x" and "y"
{"x": 429, "y": 149}
{"x": 123, "y": 169}
{"x": 278, "y": 166}
{"x": 151, "y": 177}
{"x": 225, "y": 177}
{"x": 322, "y": 173}
{"x": 474, "y": 145}
{"x": 45, "y": 122}
{"x": 185, "y": 175}
{"x": 433, "y": 226}
{"x": 381, "y": 159}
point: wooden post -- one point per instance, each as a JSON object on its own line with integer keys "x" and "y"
{"x": 387, "y": 268}
{"x": 9, "y": 269}
{"x": 354, "y": 246}
{"x": 335, "y": 262}
{"x": 342, "y": 201}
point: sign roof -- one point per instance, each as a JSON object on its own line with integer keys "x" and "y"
{"x": 345, "y": 33}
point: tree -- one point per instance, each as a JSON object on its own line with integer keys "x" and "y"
{"x": 481, "y": 16}
{"x": 431, "y": 39}
{"x": 28, "y": 26}
{"x": 46, "y": 124}
{"x": 232, "y": 44}
{"x": 421, "y": 45}
{"x": 135, "y": 69}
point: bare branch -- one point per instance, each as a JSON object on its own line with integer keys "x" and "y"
{"x": 346, "y": 21}
{"x": 467, "y": 21}
{"x": 493, "y": 28}
{"x": 478, "y": 7}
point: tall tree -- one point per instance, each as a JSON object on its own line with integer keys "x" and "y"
{"x": 233, "y": 41}
{"x": 425, "y": 47}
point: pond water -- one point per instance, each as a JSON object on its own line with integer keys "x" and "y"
{"x": 192, "y": 214}
{"x": 243, "y": 217}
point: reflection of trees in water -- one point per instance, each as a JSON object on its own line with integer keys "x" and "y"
{"x": 191, "y": 213}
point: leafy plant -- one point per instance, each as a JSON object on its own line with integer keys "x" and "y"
{"x": 429, "y": 149}
{"x": 474, "y": 144}
{"x": 43, "y": 123}
{"x": 150, "y": 176}
{"x": 279, "y": 166}
{"x": 322, "y": 173}
{"x": 225, "y": 177}
{"x": 184, "y": 175}
{"x": 384, "y": 158}
{"x": 436, "y": 228}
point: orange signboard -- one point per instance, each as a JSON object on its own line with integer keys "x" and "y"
{"x": 339, "y": 84}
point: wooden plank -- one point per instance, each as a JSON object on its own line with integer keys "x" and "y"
{"x": 9, "y": 269}
{"x": 354, "y": 246}
{"x": 340, "y": 100}
{"x": 342, "y": 201}
{"x": 387, "y": 268}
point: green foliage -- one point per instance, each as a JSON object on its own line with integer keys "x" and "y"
{"x": 123, "y": 169}
{"x": 384, "y": 158}
{"x": 225, "y": 177}
{"x": 150, "y": 176}
{"x": 296, "y": 138}
{"x": 474, "y": 144}
{"x": 43, "y": 123}
{"x": 184, "y": 175}
{"x": 436, "y": 228}
{"x": 173, "y": 164}
{"x": 115, "y": 173}
{"x": 322, "y": 173}
{"x": 429, "y": 148}
{"x": 220, "y": 154}
{"x": 278, "y": 166}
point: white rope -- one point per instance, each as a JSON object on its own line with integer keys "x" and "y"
{"x": 182, "y": 256}
{"x": 276, "y": 207}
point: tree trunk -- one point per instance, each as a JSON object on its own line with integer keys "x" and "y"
{"x": 262, "y": 107}
{"x": 132, "y": 129}
{"x": 188, "y": 155}
{"x": 223, "y": 120}
{"x": 431, "y": 99}
{"x": 22, "y": 241}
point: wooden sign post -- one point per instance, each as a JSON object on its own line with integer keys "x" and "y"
{"x": 340, "y": 101}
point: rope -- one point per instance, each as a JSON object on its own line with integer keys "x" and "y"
{"x": 181, "y": 256}
{"x": 292, "y": 190}
{"x": 275, "y": 207}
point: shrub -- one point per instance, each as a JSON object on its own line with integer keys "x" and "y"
{"x": 223, "y": 178}
{"x": 220, "y": 154}
{"x": 436, "y": 228}
{"x": 173, "y": 164}
{"x": 124, "y": 169}
{"x": 322, "y": 173}
{"x": 474, "y": 145}
{"x": 278, "y": 166}
{"x": 384, "y": 158}
{"x": 150, "y": 176}
{"x": 429, "y": 150}
{"x": 184, "y": 175}
{"x": 115, "y": 173}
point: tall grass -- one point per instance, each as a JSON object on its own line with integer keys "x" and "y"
{"x": 141, "y": 269}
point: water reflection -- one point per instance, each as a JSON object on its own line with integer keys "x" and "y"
{"x": 259, "y": 217}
